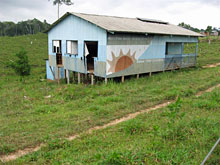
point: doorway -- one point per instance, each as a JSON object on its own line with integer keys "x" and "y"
{"x": 57, "y": 50}
{"x": 91, "y": 51}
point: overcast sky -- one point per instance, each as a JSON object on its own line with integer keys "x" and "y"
{"x": 197, "y": 13}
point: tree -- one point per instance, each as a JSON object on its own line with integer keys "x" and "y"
{"x": 209, "y": 29}
{"x": 22, "y": 28}
{"x": 60, "y": 2}
{"x": 21, "y": 66}
{"x": 187, "y": 26}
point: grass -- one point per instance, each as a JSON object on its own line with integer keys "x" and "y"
{"x": 182, "y": 133}
{"x": 28, "y": 118}
{"x": 209, "y": 53}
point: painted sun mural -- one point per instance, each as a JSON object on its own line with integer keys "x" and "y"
{"x": 122, "y": 61}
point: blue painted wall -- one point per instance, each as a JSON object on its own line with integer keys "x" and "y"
{"x": 74, "y": 28}
{"x": 157, "y": 47}
{"x": 49, "y": 73}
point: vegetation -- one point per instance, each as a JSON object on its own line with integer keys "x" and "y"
{"x": 209, "y": 29}
{"x": 60, "y": 2}
{"x": 29, "y": 117}
{"x": 21, "y": 65}
{"x": 182, "y": 133}
{"x": 23, "y": 28}
{"x": 187, "y": 26}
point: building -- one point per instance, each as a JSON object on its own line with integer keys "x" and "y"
{"x": 214, "y": 33}
{"x": 107, "y": 46}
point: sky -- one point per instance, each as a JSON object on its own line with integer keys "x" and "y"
{"x": 197, "y": 13}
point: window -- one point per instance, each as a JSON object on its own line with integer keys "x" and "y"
{"x": 56, "y": 46}
{"x": 72, "y": 47}
{"x": 173, "y": 48}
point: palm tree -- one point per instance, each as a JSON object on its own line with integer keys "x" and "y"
{"x": 60, "y": 2}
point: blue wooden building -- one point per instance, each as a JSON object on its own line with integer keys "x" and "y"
{"x": 107, "y": 46}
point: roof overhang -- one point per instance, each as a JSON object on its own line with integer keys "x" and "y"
{"x": 117, "y": 31}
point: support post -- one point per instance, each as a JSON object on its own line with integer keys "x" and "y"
{"x": 196, "y": 54}
{"x": 150, "y": 74}
{"x": 73, "y": 76}
{"x": 92, "y": 79}
{"x": 182, "y": 52}
{"x": 65, "y": 74}
{"x": 78, "y": 78}
{"x": 52, "y": 73}
{"x": 68, "y": 76}
{"x": 58, "y": 75}
{"x": 137, "y": 76}
{"x": 123, "y": 79}
{"x": 106, "y": 80}
{"x": 182, "y": 49}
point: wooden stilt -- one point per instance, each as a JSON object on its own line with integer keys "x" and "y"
{"x": 137, "y": 76}
{"x": 65, "y": 74}
{"x": 150, "y": 74}
{"x": 78, "y": 78}
{"x": 92, "y": 79}
{"x": 68, "y": 76}
{"x": 123, "y": 79}
{"x": 74, "y": 76}
{"x": 106, "y": 80}
{"x": 58, "y": 75}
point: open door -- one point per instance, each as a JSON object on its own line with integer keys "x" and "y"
{"x": 91, "y": 51}
{"x": 57, "y": 49}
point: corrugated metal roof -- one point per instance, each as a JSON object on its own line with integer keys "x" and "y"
{"x": 131, "y": 25}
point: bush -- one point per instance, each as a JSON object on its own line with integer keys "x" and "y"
{"x": 21, "y": 66}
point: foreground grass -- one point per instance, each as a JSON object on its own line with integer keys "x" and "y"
{"x": 28, "y": 118}
{"x": 182, "y": 133}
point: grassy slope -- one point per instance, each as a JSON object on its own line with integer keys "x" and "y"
{"x": 74, "y": 108}
{"x": 209, "y": 53}
{"x": 182, "y": 133}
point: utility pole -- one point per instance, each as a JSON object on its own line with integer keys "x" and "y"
{"x": 58, "y": 4}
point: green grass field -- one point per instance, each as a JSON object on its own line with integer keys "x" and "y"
{"x": 182, "y": 133}
{"x": 27, "y": 118}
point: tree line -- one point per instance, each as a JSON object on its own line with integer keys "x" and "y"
{"x": 23, "y": 28}
{"x": 209, "y": 29}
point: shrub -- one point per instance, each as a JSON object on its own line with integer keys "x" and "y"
{"x": 21, "y": 66}
{"x": 134, "y": 127}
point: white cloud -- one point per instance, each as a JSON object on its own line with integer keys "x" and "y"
{"x": 198, "y": 13}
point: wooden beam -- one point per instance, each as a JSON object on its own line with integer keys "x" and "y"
{"x": 92, "y": 79}
{"x": 65, "y": 74}
{"x": 74, "y": 76}
{"x": 68, "y": 76}
{"x": 123, "y": 79}
{"x": 58, "y": 75}
{"x": 78, "y": 78}
{"x": 52, "y": 72}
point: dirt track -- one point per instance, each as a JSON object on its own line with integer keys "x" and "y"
{"x": 20, "y": 153}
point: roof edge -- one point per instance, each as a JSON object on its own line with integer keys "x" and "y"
{"x": 57, "y": 21}
{"x": 75, "y": 14}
